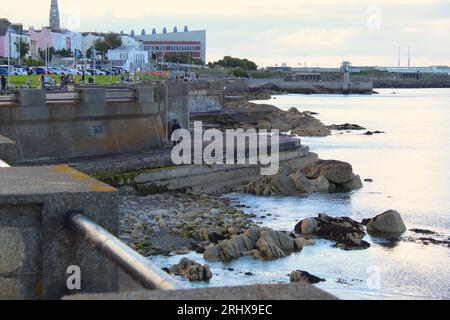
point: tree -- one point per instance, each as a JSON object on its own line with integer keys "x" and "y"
{"x": 22, "y": 47}
{"x": 64, "y": 53}
{"x": 89, "y": 53}
{"x": 43, "y": 55}
{"x": 230, "y": 62}
{"x": 109, "y": 42}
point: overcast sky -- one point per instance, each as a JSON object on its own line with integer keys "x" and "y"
{"x": 272, "y": 31}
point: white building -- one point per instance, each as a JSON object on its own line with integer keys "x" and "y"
{"x": 128, "y": 57}
{"x": 88, "y": 39}
{"x": 191, "y": 43}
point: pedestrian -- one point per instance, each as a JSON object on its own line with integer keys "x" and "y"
{"x": 3, "y": 82}
{"x": 62, "y": 82}
{"x": 175, "y": 127}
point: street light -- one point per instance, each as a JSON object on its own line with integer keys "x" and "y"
{"x": 9, "y": 55}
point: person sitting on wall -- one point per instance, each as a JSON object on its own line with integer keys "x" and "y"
{"x": 175, "y": 127}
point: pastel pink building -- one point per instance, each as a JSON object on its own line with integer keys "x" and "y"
{"x": 43, "y": 38}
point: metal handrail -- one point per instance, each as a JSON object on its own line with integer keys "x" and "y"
{"x": 134, "y": 264}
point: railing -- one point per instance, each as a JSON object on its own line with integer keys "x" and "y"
{"x": 135, "y": 265}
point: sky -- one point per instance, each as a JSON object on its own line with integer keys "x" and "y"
{"x": 272, "y": 32}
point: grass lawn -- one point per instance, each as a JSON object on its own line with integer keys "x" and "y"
{"x": 19, "y": 80}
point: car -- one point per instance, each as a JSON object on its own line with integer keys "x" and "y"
{"x": 3, "y": 72}
{"x": 96, "y": 72}
{"x": 40, "y": 70}
{"x": 20, "y": 71}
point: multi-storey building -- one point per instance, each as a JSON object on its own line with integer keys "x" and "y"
{"x": 190, "y": 43}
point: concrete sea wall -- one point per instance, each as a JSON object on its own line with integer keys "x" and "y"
{"x": 89, "y": 127}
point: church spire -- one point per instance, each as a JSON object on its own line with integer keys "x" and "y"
{"x": 54, "y": 16}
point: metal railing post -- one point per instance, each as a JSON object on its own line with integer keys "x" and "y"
{"x": 134, "y": 264}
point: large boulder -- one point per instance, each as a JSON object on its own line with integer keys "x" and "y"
{"x": 337, "y": 172}
{"x": 261, "y": 243}
{"x": 387, "y": 222}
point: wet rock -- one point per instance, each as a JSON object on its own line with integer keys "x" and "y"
{"x": 305, "y": 277}
{"x": 387, "y": 222}
{"x": 347, "y": 233}
{"x": 307, "y": 226}
{"x": 346, "y": 126}
{"x": 423, "y": 231}
{"x": 261, "y": 243}
{"x": 319, "y": 176}
{"x": 191, "y": 270}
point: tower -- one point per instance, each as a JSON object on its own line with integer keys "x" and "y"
{"x": 54, "y": 16}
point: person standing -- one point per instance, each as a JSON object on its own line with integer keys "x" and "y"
{"x": 3, "y": 83}
{"x": 175, "y": 127}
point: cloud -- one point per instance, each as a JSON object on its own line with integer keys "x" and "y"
{"x": 269, "y": 32}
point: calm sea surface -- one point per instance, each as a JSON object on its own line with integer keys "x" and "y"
{"x": 410, "y": 167}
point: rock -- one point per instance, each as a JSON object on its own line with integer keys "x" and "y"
{"x": 356, "y": 183}
{"x": 387, "y": 222}
{"x": 212, "y": 253}
{"x": 337, "y": 172}
{"x": 264, "y": 125}
{"x": 299, "y": 244}
{"x": 293, "y": 111}
{"x": 368, "y": 180}
{"x": 347, "y": 233}
{"x": 305, "y": 277}
{"x": 272, "y": 185}
{"x": 281, "y": 126}
{"x": 191, "y": 270}
{"x": 306, "y": 226}
{"x": 267, "y": 248}
{"x": 369, "y": 133}
{"x": 305, "y": 185}
{"x": 210, "y": 235}
{"x": 423, "y": 231}
{"x": 261, "y": 243}
{"x": 346, "y": 126}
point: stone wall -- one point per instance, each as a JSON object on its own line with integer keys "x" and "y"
{"x": 36, "y": 248}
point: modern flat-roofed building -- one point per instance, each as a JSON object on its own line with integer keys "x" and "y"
{"x": 191, "y": 43}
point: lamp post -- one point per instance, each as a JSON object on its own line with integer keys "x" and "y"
{"x": 9, "y": 55}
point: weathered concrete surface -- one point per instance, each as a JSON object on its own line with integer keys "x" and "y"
{"x": 36, "y": 249}
{"x": 94, "y": 127}
{"x": 8, "y": 150}
{"x": 31, "y": 98}
{"x": 206, "y": 96}
{"x": 253, "y": 293}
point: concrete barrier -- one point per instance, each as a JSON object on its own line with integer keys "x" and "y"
{"x": 36, "y": 248}
{"x": 92, "y": 127}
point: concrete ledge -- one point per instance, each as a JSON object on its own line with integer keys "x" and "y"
{"x": 32, "y": 98}
{"x": 254, "y": 293}
{"x": 36, "y": 248}
{"x": 93, "y": 96}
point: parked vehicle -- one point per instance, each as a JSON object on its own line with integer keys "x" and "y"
{"x": 39, "y": 70}
{"x": 3, "y": 71}
{"x": 20, "y": 71}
